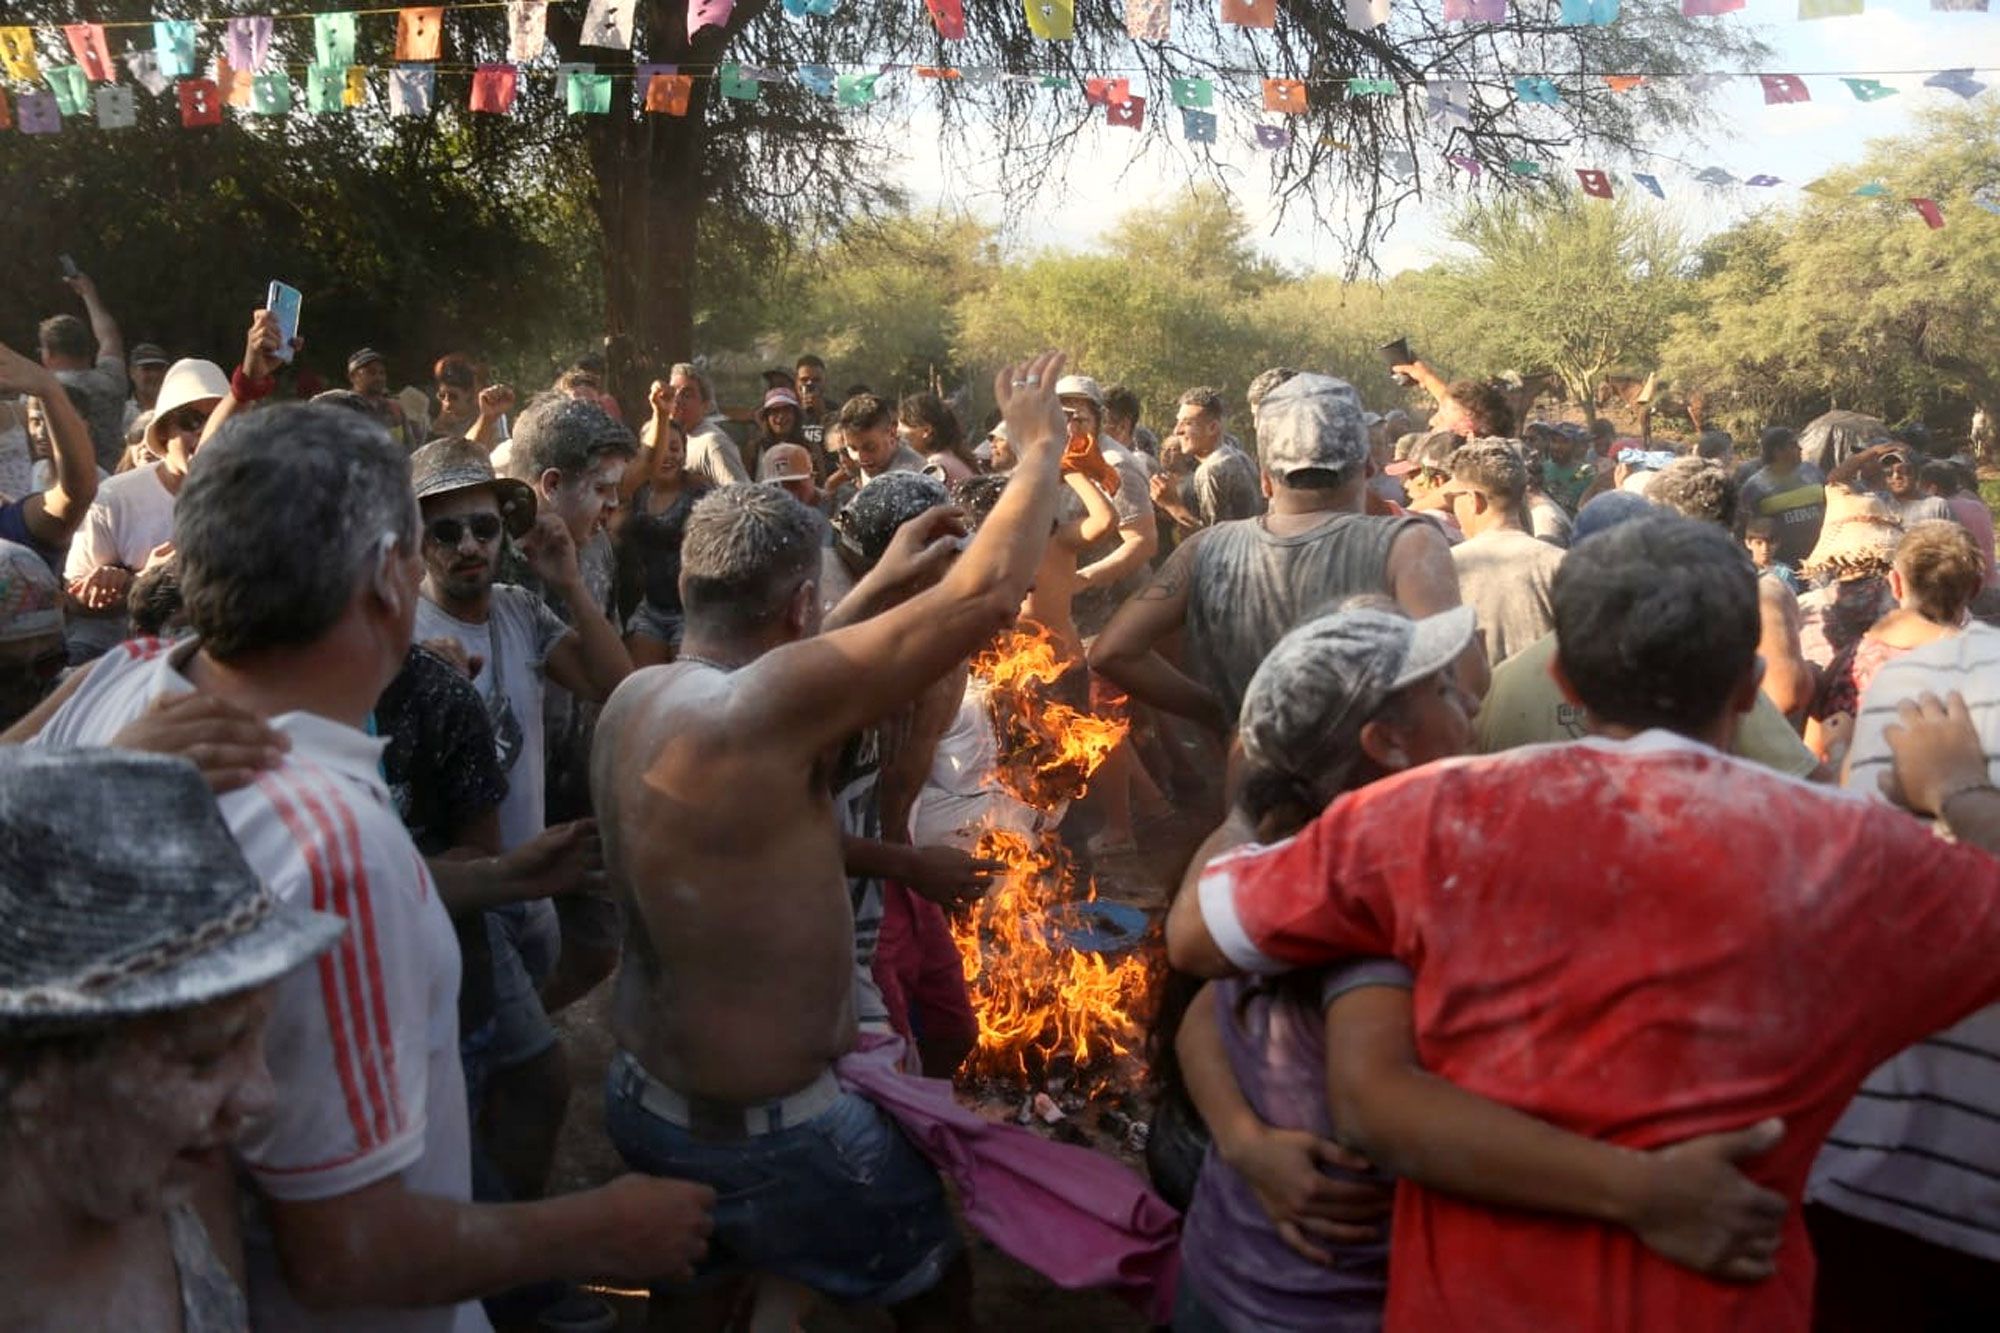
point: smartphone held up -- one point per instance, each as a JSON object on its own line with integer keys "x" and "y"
{"x": 283, "y": 302}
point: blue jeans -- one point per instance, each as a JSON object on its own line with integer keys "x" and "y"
{"x": 841, "y": 1203}
{"x": 524, "y": 940}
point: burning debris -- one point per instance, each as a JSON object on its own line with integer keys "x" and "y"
{"x": 1045, "y": 1005}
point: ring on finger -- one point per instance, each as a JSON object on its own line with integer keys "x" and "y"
{"x": 1033, "y": 380}
{"x": 1022, "y": 384}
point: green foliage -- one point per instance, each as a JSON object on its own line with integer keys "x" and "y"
{"x": 1560, "y": 283}
{"x": 1854, "y": 303}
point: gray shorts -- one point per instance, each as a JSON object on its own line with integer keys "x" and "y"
{"x": 525, "y": 941}
{"x": 653, "y": 623}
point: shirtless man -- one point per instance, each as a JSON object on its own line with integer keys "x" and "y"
{"x": 737, "y": 990}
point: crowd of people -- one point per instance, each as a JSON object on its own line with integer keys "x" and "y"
{"x": 1578, "y": 943}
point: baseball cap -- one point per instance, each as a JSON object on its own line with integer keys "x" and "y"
{"x": 1311, "y": 422}
{"x": 1304, "y": 709}
{"x": 1424, "y": 449}
{"x": 30, "y": 595}
{"x": 777, "y": 397}
{"x": 362, "y": 358}
{"x": 148, "y": 354}
{"x": 1080, "y": 386}
{"x": 782, "y": 463}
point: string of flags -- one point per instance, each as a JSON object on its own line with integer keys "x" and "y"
{"x": 245, "y": 74}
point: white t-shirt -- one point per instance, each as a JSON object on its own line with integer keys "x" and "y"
{"x": 513, "y": 644}
{"x": 131, "y": 515}
{"x": 363, "y": 1042}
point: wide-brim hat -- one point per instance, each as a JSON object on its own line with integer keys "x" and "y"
{"x": 188, "y": 382}
{"x": 95, "y": 928}
{"x": 1857, "y": 538}
{"x": 448, "y": 465}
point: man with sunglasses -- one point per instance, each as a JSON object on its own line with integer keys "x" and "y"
{"x": 512, "y": 644}
{"x": 131, "y": 524}
{"x": 1901, "y": 467}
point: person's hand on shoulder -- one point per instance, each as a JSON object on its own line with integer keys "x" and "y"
{"x": 229, "y": 744}
{"x": 1937, "y": 753}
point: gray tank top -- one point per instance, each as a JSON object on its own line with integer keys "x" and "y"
{"x": 211, "y": 1302}
{"x": 1248, "y": 587}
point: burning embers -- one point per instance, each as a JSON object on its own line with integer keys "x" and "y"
{"x": 1043, "y": 1003}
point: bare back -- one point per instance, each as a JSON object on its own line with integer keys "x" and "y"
{"x": 738, "y": 977}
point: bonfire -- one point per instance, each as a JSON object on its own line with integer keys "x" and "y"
{"x": 1042, "y": 1003}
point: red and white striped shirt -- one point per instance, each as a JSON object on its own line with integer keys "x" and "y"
{"x": 363, "y": 1042}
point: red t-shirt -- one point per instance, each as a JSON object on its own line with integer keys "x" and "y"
{"x": 1642, "y": 942}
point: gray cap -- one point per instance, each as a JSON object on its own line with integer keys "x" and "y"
{"x": 1080, "y": 386}
{"x": 148, "y": 354}
{"x": 1311, "y": 422}
{"x": 448, "y": 465}
{"x": 95, "y": 928}
{"x": 1430, "y": 449}
{"x": 1304, "y": 709}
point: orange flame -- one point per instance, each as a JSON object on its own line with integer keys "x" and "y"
{"x": 1038, "y": 999}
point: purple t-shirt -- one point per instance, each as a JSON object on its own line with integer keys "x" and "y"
{"x": 1275, "y": 1036}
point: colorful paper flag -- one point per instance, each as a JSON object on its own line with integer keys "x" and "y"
{"x": 1191, "y": 92}
{"x": 1148, "y": 20}
{"x": 333, "y": 39}
{"x": 249, "y": 43}
{"x": 38, "y": 113}
{"x": 17, "y": 53}
{"x": 239, "y": 86}
{"x": 818, "y": 79}
{"x": 1872, "y": 190}
{"x": 1522, "y": 167}
{"x": 1129, "y": 114}
{"x": 173, "y": 44}
{"x": 71, "y": 87}
{"x": 1371, "y": 87}
{"x": 1529, "y": 88}
{"x": 324, "y": 84}
{"x": 355, "y": 91}
{"x": 1285, "y": 96}
{"x": 1763, "y": 182}
{"x": 201, "y": 102}
{"x": 949, "y": 15}
{"x": 1828, "y": 9}
{"x": 1958, "y": 6}
{"x": 1475, "y": 11}
{"x": 1595, "y": 183}
{"x": 1696, "y": 9}
{"x": 588, "y": 94}
{"x": 1650, "y": 184}
{"x": 855, "y": 89}
{"x": 1469, "y": 165}
{"x": 608, "y": 24}
{"x": 145, "y": 70}
{"x": 735, "y": 85}
{"x": 1987, "y": 197}
{"x": 1367, "y": 15}
{"x": 1450, "y": 100}
{"x": 1052, "y": 20}
{"x": 669, "y": 94}
{"x": 93, "y": 57}
{"x": 1932, "y": 215}
{"x": 937, "y": 72}
{"x": 1714, "y": 176}
{"x": 412, "y": 89}
{"x": 1781, "y": 88}
{"x": 419, "y": 34}
{"x": 1623, "y": 83}
{"x": 1959, "y": 81}
{"x": 1273, "y": 137}
{"x": 117, "y": 107}
{"x": 1250, "y": 13}
{"x": 1106, "y": 92}
{"x": 1869, "y": 90}
{"x": 6, "y": 116}
{"x": 1197, "y": 126}
{"x": 1590, "y": 13}
{"x": 527, "y": 29}
{"x": 271, "y": 93}
{"x": 493, "y": 88}
{"x": 1400, "y": 165}
{"x": 710, "y": 14}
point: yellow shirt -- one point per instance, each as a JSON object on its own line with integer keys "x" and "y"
{"x": 1524, "y": 706}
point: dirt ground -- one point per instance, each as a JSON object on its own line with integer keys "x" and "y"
{"x": 1009, "y": 1296}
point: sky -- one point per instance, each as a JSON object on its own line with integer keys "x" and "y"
{"x": 1795, "y": 142}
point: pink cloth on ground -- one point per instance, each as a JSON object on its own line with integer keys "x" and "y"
{"x": 1074, "y": 1216}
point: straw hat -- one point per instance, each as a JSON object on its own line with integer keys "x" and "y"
{"x": 1857, "y": 538}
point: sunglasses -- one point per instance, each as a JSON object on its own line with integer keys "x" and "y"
{"x": 450, "y": 531}
{"x": 187, "y": 420}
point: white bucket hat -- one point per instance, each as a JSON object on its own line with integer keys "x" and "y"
{"x": 188, "y": 383}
